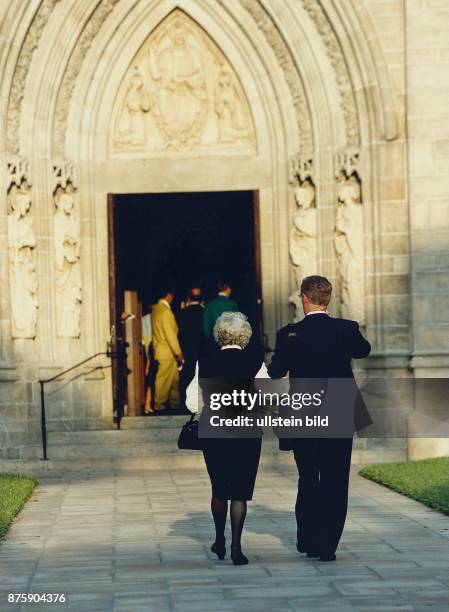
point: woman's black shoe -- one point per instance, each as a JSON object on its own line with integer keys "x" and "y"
{"x": 312, "y": 555}
{"x": 219, "y": 550}
{"x": 238, "y": 558}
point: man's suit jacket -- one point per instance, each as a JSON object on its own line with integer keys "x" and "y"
{"x": 214, "y": 309}
{"x": 165, "y": 332}
{"x": 321, "y": 347}
{"x": 191, "y": 333}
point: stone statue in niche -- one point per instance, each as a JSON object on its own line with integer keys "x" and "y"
{"x": 66, "y": 233}
{"x": 179, "y": 75}
{"x": 131, "y": 126}
{"x": 348, "y": 239}
{"x": 303, "y": 234}
{"x": 23, "y": 277}
{"x": 231, "y": 122}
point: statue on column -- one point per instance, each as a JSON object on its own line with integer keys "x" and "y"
{"x": 67, "y": 242}
{"x": 348, "y": 239}
{"x": 303, "y": 234}
{"x": 23, "y": 277}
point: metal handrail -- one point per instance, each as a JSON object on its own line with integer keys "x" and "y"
{"x": 44, "y": 381}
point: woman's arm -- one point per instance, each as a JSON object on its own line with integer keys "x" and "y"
{"x": 194, "y": 395}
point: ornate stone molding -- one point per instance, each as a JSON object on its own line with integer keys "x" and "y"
{"x": 347, "y": 162}
{"x": 67, "y": 243}
{"x": 304, "y": 232}
{"x": 91, "y": 29}
{"x": 64, "y": 173}
{"x": 20, "y": 73}
{"x": 21, "y": 246}
{"x": 349, "y": 235}
{"x": 286, "y": 62}
{"x": 18, "y": 172}
{"x": 337, "y": 58}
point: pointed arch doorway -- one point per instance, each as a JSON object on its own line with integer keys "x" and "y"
{"x": 180, "y": 240}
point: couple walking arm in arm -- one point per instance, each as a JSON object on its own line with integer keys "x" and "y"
{"x": 320, "y": 347}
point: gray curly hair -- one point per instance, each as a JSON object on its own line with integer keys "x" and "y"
{"x": 232, "y": 328}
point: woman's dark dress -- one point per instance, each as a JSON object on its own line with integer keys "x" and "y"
{"x": 232, "y": 463}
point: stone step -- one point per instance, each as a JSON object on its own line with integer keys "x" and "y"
{"x": 113, "y": 444}
{"x": 109, "y": 450}
{"x": 155, "y": 444}
{"x": 113, "y": 436}
{"x": 179, "y": 460}
{"x": 154, "y": 422}
{"x": 31, "y": 463}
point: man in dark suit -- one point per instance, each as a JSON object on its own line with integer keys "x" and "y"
{"x": 217, "y": 306}
{"x": 191, "y": 337}
{"x": 319, "y": 347}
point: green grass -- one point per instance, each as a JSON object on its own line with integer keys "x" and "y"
{"x": 426, "y": 480}
{"x": 14, "y": 492}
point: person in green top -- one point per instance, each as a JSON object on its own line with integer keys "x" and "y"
{"x": 214, "y": 308}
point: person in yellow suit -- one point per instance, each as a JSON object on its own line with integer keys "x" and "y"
{"x": 167, "y": 352}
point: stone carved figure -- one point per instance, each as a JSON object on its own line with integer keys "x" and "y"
{"x": 131, "y": 126}
{"x": 348, "y": 239}
{"x": 231, "y": 122}
{"x": 303, "y": 235}
{"x": 181, "y": 94}
{"x": 23, "y": 277}
{"x": 177, "y": 69}
{"x": 66, "y": 233}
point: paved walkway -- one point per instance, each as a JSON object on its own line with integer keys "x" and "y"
{"x": 140, "y": 541}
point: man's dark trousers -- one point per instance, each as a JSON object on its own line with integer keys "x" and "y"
{"x": 322, "y": 502}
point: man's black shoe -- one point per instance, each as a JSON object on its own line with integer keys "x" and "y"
{"x": 331, "y": 557}
{"x": 299, "y": 548}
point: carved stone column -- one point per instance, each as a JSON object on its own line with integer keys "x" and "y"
{"x": 349, "y": 236}
{"x": 303, "y": 245}
{"x": 21, "y": 249}
{"x": 66, "y": 242}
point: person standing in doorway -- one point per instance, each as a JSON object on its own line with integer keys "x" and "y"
{"x": 216, "y": 307}
{"x": 191, "y": 337}
{"x": 167, "y": 352}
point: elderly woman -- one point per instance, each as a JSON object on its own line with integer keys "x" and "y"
{"x": 231, "y": 462}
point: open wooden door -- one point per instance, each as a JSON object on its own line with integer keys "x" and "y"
{"x": 258, "y": 267}
{"x": 135, "y": 358}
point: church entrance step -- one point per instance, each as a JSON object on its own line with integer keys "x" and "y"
{"x": 154, "y": 422}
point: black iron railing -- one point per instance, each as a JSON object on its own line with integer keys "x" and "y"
{"x": 42, "y": 382}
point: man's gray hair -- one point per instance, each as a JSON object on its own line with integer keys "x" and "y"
{"x": 232, "y": 328}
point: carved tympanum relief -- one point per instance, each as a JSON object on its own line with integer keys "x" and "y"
{"x": 66, "y": 238}
{"x": 21, "y": 246}
{"x": 303, "y": 234}
{"x": 181, "y": 94}
{"x": 348, "y": 236}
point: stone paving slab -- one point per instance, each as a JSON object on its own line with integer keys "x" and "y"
{"x": 131, "y": 541}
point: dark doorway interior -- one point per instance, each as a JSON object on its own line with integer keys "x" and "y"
{"x": 185, "y": 238}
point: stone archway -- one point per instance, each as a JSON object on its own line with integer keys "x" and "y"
{"x": 320, "y": 123}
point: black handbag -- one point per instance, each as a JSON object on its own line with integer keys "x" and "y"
{"x": 188, "y": 436}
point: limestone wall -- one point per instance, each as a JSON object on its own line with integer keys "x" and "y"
{"x": 339, "y": 118}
